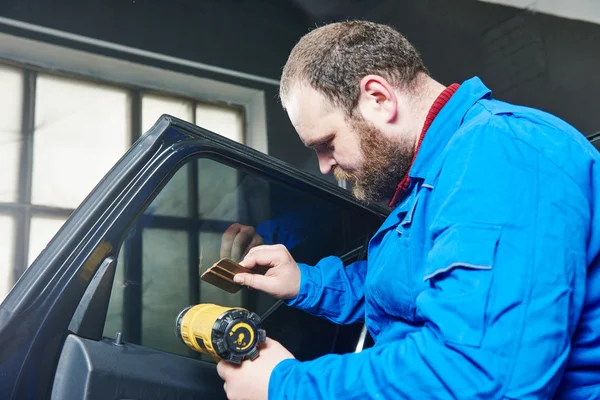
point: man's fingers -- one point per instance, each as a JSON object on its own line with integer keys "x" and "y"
{"x": 255, "y": 281}
{"x": 256, "y": 241}
{"x": 268, "y": 256}
{"x": 267, "y": 343}
{"x": 228, "y": 238}
{"x": 222, "y": 369}
{"x": 241, "y": 241}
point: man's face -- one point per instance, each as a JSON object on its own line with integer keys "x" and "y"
{"x": 373, "y": 158}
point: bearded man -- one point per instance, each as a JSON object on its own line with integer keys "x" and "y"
{"x": 483, "y": 281}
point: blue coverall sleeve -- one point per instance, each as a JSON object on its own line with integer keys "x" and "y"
{"x": 505, "y": 286}
{"x": 332, "y": 291}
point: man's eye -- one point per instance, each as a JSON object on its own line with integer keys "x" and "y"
{"x": 327, "y": 144}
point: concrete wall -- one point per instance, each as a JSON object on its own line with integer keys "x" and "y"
{"x": 536, "y": 60}
{"x": 252, "y": 36}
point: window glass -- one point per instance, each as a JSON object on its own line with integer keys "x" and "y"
{"x": 41, "y": 232}
{"x": 174, "y": 199}
{"x": 165, "y": 256}
{"x": 7, "y": 241}
{"x": 82, "y": 129}
{"x": 224, "y": 182}
{"x": 165, "y": 285}
{"x": 11, "y": 104}
{"x": 225, "y": 121}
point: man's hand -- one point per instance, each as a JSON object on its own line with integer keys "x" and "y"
{"x": 237, "y": 240}
{"x": 250, "y": 380}
{"x": 282, "y": 279}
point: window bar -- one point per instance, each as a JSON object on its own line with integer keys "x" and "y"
{"x": 193, "y": 240}
{"x": 249, "y": 299}
{"x": 39, "y": 210}
{"x": 193, "y": 235}
{"x": 25, "y": 174}
{"x": 194, "y": 107}
{"x": 136, "y": 114}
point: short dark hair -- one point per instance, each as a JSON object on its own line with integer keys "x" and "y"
{"x": 334, "y": 58}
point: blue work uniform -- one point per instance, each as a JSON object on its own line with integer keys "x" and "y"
{"x": 483, "y": 282}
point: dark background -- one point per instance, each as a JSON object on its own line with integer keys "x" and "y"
{"x": 537, "y": 60}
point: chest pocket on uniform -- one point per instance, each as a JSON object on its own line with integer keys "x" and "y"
{"x": 459, "y": 270}
{"x": 392, "y": 281}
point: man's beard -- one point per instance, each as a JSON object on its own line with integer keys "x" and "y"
{"x": 385, "y": 163}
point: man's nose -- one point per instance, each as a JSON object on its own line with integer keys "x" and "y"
{"x": 326, "y": 162}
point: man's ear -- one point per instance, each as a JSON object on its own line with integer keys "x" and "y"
{"x": 378, "y": 97}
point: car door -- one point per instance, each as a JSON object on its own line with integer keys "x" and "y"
{"x": 93, "y": 317}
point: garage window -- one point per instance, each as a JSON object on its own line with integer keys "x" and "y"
{"x": 80, "y": 131}
{"x": 60, "y": 134}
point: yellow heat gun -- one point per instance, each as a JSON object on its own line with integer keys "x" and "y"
{"x": 225, "y": 333}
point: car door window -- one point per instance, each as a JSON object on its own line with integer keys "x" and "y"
{"x": 179, "y": 236}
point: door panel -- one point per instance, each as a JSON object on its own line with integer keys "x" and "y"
{"x": 100, "y": 370}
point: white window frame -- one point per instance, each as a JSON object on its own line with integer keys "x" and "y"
{"x": 118, "y": 72}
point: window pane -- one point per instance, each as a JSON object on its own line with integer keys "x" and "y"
{"x": 41, "y": 232}
{"x": 11, "y": 104}
{"x": 222, "y": 181}
{"x": 81, "y": 132}
{"x": 228, "y": 122}
{"x": 173, "y": 200}
{"x": 164, "y": 287}
{"x": 7, "y": 244}
{"x": 159, "y": 273}
{"x": 153, "y": 106}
